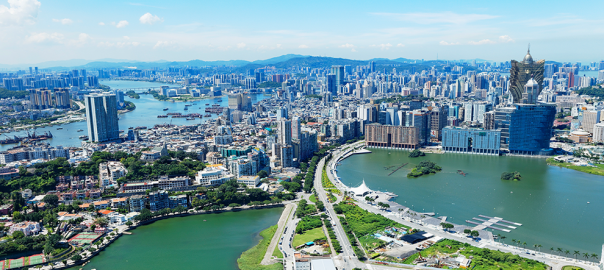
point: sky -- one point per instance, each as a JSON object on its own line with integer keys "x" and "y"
{"x": 35, "y": 31}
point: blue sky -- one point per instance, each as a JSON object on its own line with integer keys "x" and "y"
{"x": 33, "y": 31}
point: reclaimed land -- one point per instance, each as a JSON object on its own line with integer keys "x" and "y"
{"x": 251, "y": 258}
{"x": 598, "y": 170}
{"x": 482, "y": 258}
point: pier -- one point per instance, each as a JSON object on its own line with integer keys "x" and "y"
{"x": 492, "y": 222}
{"x": 397, "y": 169}
{"x": 500, "y": 219}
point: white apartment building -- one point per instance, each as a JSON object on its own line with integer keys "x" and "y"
{"x": 213, "y": 176}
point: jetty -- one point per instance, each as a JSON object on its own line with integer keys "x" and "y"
{"x": 397, "y": 169}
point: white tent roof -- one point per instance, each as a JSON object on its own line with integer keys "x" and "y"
{"x": 361, "y": 190}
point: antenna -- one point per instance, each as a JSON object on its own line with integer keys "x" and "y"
{"x": 529, "y": 48}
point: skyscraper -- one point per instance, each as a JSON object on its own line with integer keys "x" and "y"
{"x": 285, "y": 132}
{"x": 339, "y": 72}
{"x": 372, "y": 66}
{"x": 522, "y": 72}
{"x": 332, "y": 86}
{"x": 101, "y": 117}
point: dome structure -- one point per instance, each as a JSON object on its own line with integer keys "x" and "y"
{"x": 528, "y": 59}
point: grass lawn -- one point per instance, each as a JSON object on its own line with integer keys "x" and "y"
{"x": 251, "y": 258}
{"x": 568, "y": 267}
{"x": 308, "y": 236}
{"x": 277, "y": 253}
{"x": 598, "y": 170}
{"x": 369, "y": 242}
{"x": 313, "y": 198}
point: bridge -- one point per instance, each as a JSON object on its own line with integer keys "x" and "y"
{"x": 140, "y": 89}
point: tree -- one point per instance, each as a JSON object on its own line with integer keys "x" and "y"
{"x": 262, "y": 174}
{"x": 102, "y": 222}
{"x": 467, "y": 231}
{"x": 51, "y": 199}
{"x": 128, "y": 223}
{"x": 576, "y": 252}
{"x": 93, "y": 227}
{"x": 76, "y": 258}
{"x": 474, "y": 234}
{"x": 446, "y": 226}
{"x": 18, "y": 235}
{"x": 567, "y": 252}
{"x": 559, "y": 251}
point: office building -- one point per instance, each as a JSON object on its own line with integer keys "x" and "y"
{"x": 339, "y": 72}
{"x": 101, "y": 117}
{"x": 471, "y": 140}
{"x": 526, "y": 128}
{"x": 590, "y": 119}
{"x": 331, "y": 85}
{"x": 285, "y": 132}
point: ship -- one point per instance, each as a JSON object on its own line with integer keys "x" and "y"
{"x": 84, "y": 137}
{"x": 190, "y": 118}
{"x": 207, "y": 104}
{"x": 165, "y": 109}
{"x": 207, "y": 115}
{"x": 187, "y": 105}
{"x": 186, "y": 108}
{"x": 162, "y": 116}
{"x": 59, "y": 128}
{"x": 9, "y": 140}
{"x": 80, "y": 130}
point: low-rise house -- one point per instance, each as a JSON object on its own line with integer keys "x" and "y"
{"x": 6, "y": 209}
{"x": 213, "y": 175}
{"x": 249, "y": 181}
{"x": 137, "y": 203}
{"x": 179, "y": 200}
{"x": 27, "y": 227}
{"x": 119, "y": 202}
{"x": 8, "y": 173}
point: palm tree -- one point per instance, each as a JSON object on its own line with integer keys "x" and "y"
{"x": 552, "y": 250}
{"x": 503, "y": 237}
{"x": 514, "y": 241}
{"x": 586, "y": 255}
{"x": 576, "y": 253}
{"x": 524, "y": 244}
{"x": 499, "y": 238}
{"x": 535, "y": 247}
{"x": 594, "y": 256}
{"x": 539, "y": 247}
{"x": 567, "y": 252}
{"x": 559, "y": 251}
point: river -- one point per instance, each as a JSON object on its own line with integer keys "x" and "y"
{"x": 550, "y": 202}
{"x": 188, "y": 242}
{"x": 145, "y": 114}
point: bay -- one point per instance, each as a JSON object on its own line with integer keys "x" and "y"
{"x": 145, "y": 114}
{"x": 550, "y": 202}
{"x": 187, "y": 242}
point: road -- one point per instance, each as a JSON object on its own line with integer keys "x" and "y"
{"x": 280, "y": 226}
{"x": 346, "y": 260}
{"x": 285, "y": 242}
{"x": 555, "y": 261}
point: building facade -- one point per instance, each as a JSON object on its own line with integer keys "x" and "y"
{"x": 101, "y": 117}
{"x": 471, "y": 140}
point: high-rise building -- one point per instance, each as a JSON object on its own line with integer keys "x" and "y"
{"x": 522, "y": 72}
{"x": 471, "y": 140}
{"x": 525, "y": 128}
{"x": 391, "y": 136}
{"x": 285, "y": 132}
{"x": 339, "y": 72}
{"x": 101, "y": 117}
{"x": 331, "y": 85}
{"x": 296, "y": 128}
{"x": 371, "y": 66}
{"x": 62, "y": 98}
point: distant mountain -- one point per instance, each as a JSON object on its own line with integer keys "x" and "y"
{"x": 279, "y": 59}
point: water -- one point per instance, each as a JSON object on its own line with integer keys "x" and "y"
{"x": 145, "y": 114}
{"x": 188, "y": 242}
{"x": 550, "y": 202}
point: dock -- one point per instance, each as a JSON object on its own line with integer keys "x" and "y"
{"x": 480, "y": 226}
{"x": 398, "y": 169}
{"x": 502, "y": 220}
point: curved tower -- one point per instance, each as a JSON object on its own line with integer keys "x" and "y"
{"x": 522, "y": 72}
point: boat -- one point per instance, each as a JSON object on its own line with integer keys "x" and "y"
{"x": 121, "y": 131}
{"x": 162, "y": 116}
{"x": 207, "y": 104}
{"x": 207, "y": 115}
{"x": 190, "y": 118}
{"x": 130, "y": 128}
{"x": 83, "y": 137}
{"x": 461, "y": 172}
{"x": 165, "y": 109}
{"x": 187, "y": 105}
{"x": 80, "y": 130}
{"x": 186, "y": 108}
{"x": 59, "y": 128}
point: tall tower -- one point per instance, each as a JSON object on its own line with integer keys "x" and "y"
{"x": 522, "y": 72}
{"x": 285, "y": 132}
{"x": 332, "y": 86}
{"x": 101, "y": 117}
{"x": 339, "y": 72}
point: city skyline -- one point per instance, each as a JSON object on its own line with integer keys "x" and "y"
{"x": 42, "y": 30}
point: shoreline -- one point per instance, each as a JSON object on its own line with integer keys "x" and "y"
{"x": 405, "y": 218}
{"x": 190, "y": 212}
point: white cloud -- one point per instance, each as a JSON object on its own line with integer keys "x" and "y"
{"x": 83, "y": 38}
{"x": 400, "y": 45}
{"x": 303, "y": 46}
{"x": 241, "y": 45}
{"x": 444, "y": 43}
{"x": 346, "y": 46}
{"x": 63, "y": 21}
{"x": 119, "y": 44}
{"x": 101, "y": 23}
{"x": 162, "y": 44}
{"x": 353, "y": 50}
{"x": 505, "y": 39}
{"x": 126, "y": 37}
{"x": 435, "y": 18}
{"x": 383, "y": 46}
{"x": 19, "y": 12}
{"x": 121, "y": 24}
{"x": 481, "y": 42}
{"x": 44, "y": 37}
{"x": 150, "y": 19}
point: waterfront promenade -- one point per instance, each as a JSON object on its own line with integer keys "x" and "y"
{"x": 557, "y": 262}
